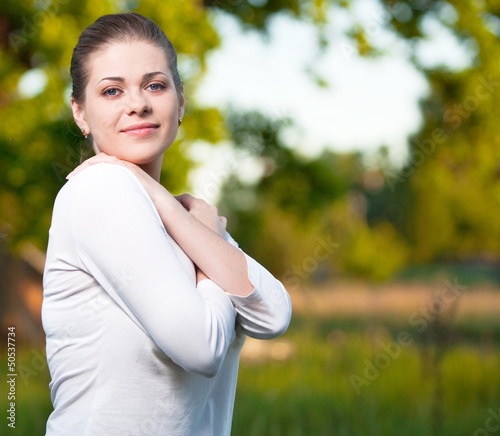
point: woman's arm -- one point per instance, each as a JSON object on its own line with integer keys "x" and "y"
{"x": 190, "y": 222}
{"x": 122, "y": 243}
{"x": 266, "y": 312}
{"x": 261, "y": 301}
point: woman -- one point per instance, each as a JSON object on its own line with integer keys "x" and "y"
{"x": 147, "y": 299}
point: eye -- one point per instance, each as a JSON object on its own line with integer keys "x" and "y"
{"x": 110, "y": 92}
{"x": 157, "y": 86}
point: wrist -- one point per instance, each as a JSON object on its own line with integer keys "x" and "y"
{"x": 200, "y": 275}
{"x": 170, "y": 210}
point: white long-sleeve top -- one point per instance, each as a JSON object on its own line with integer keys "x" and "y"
{"x": 134, "y": 346}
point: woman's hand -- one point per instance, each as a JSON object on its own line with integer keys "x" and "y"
{"x": 205, "y": 213}
{"x": 99, "y": 158}
{"x": 195, "y": 226}
{"x": 200, "y": 209}
{"x": 156, "y": 191}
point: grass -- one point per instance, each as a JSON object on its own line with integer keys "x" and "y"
{"x": 440, "y": 384}
{"x": 423, "y": 391}
{"x": 467, "y": 274}
{"x": 33, "y": 404}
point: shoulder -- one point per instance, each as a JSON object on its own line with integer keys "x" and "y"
{"x": 105, "y": 174}
{"x": 103, "y": 186}
{"x": 103, "y": 180}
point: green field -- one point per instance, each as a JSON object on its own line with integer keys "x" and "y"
{"x": 432, "y": 387}
{"x": 444, "y": 380}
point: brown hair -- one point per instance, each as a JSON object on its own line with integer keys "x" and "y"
{"x": 117, "y": 28}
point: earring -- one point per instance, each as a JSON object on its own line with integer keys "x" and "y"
{"x": 180, "y": 121}
{"x": 84, "y": 133}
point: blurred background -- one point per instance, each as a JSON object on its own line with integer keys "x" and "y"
{"x": 354, "y": 147}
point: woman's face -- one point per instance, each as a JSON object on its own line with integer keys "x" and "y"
{"x": 131, "y": 107}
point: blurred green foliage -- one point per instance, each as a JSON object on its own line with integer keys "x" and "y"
{"x": 303, "y": 218}
{"x": 313, "y": 394}
{"x": 305, "y": 212}
{"x": 441, "y": 206}
{"x": 39, "y": 142}
{"x": 454, "y": 170}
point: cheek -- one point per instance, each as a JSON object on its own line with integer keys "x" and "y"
{"x": 168, "y": 108}
{"x": 104, "y": 120}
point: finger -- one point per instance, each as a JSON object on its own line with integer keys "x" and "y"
{"x": 185, "y": 200}
{"x": 181, "y": 196}
{"x": 98, "y": 158}
{"x": 79, "y": 168}
{"x": 222, "y": 226}
{"x": 90, "y": 161}
{"x": 101, "y": 157}
{"x": 188, "y": 201}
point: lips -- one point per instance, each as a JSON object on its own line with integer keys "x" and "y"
{"x": 142, "y": 129}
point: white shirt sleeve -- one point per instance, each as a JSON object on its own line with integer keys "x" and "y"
{"x": 266, "y": 312}
{"x": 123, "y": 244}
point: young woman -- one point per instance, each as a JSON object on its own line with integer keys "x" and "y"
{"x": 147, "y": 299}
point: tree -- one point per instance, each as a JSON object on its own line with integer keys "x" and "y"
{"x": 306, "y": 218}
{"x": 453, "y": 170}
{"x": 442, "y": 202}
{"x": 39, "y": 142}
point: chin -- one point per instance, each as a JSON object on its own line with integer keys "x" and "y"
{"x": 139, "y": 160}
{"x": 136, "y": 153}
{"x": 141, "y": 157}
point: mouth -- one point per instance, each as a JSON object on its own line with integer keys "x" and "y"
{"x": 143, "y": 129}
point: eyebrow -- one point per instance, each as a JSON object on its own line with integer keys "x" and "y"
{"x": 145, "y": 77}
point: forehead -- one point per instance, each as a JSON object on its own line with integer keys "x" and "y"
{"x": 128, "y": 60}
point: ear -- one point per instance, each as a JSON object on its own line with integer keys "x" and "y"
{"x": 79, "y": 116}
{"x": 182, "y": 101}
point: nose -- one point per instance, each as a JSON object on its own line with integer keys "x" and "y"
{"x": 138, "y": 103}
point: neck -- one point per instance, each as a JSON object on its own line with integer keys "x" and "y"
{"x": 153, "y": 168}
